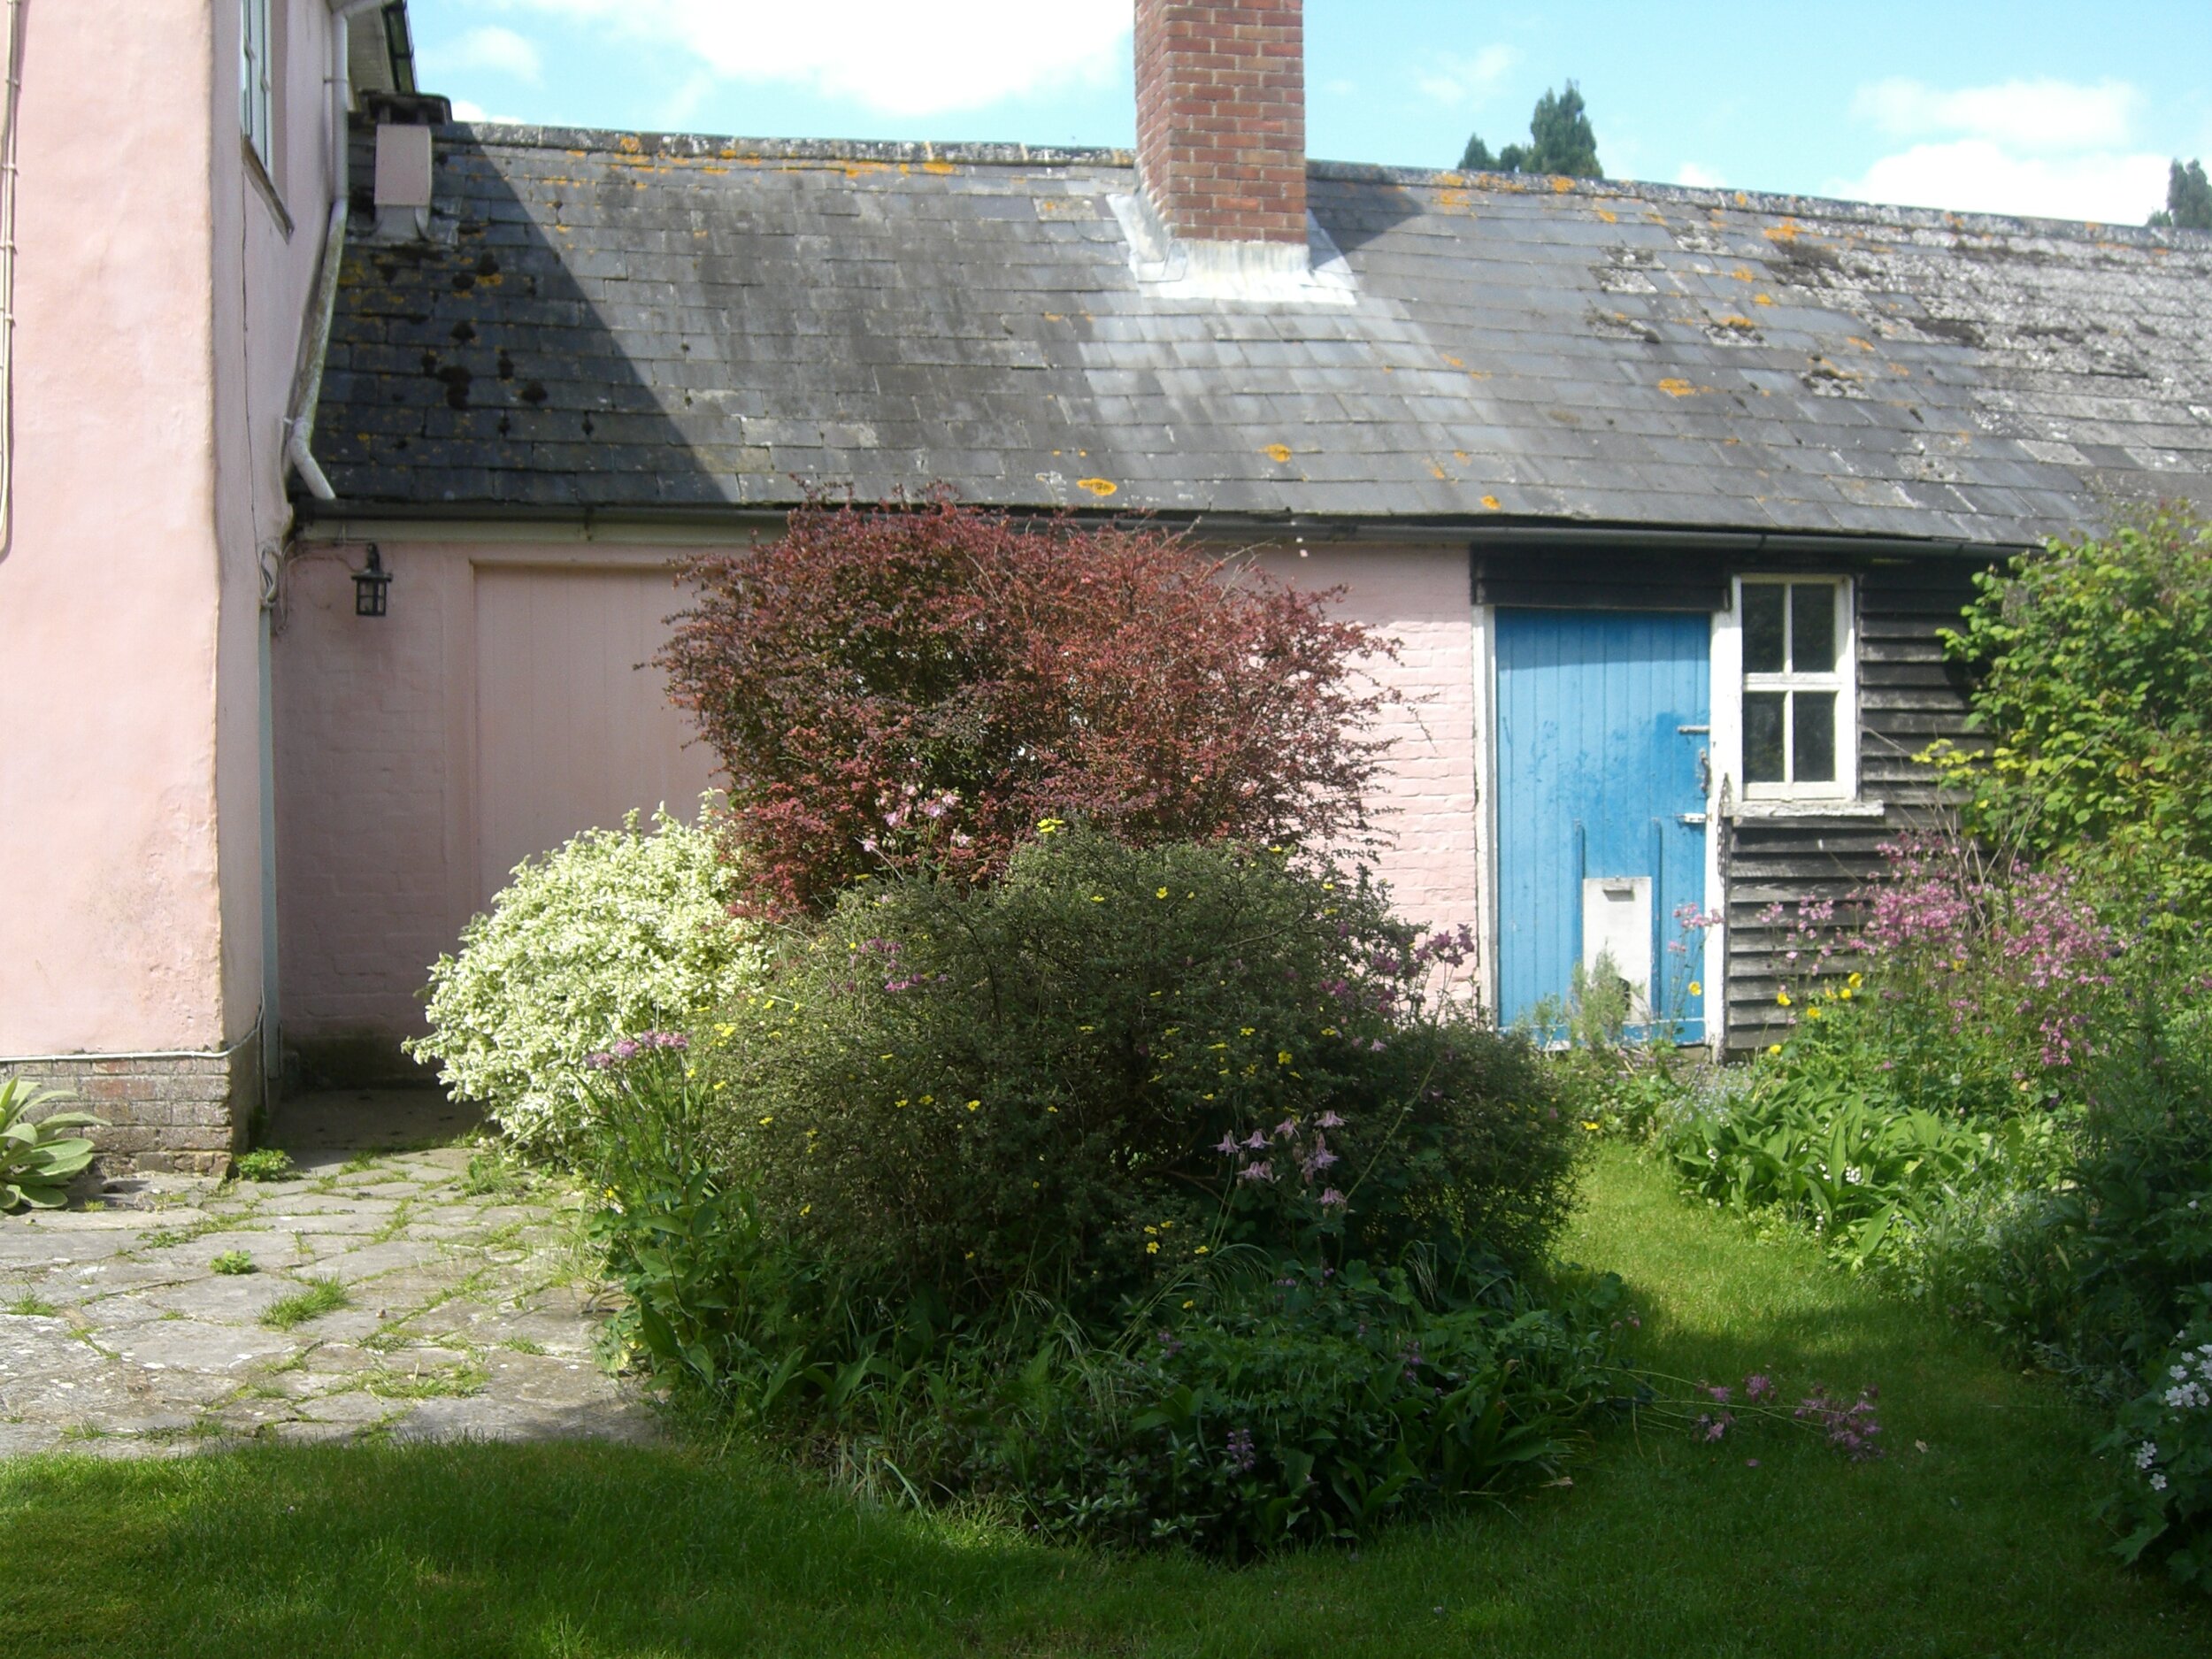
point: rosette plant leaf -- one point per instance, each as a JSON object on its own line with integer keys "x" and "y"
{"x": 38, "y": 1157}
{"x": 1005, "y": 673}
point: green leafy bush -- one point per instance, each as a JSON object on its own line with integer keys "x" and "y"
{"x": 266, "y": 1163}
{"x": 1080, "y": 1081}
{"x": 614, "y": 932}
{"x": 1133, "y": 1190}
{"x": 2095, "y": 693}
{"x": 37, "y": 1159}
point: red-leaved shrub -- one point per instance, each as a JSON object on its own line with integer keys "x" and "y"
{"x": 881, "y": 680}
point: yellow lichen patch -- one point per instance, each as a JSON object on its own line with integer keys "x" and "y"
{"x": 1899, "y": 368}
{"x": 628, "y": 144}
{"x": 939, "y": 168}
{"x": 1101, "y": 488}
{"x": 1864, "y": 345}
{"x": 1490, "y": 502}
{"x": 1437, "y": 471}
{"x": 1453, "y": 361}
{"x": 1561, "y": 185}
{"x": 1277, "y": 452}
{"x": 1609, "y": 216}
{"x": 1734, "y": 321}
{"x": 1452, "y": 200}
{"x": 1763, "y": 299}
{"x": 1786, "y": 232}
{"x": 1053, "y": 317}
{"x": 1674, "y": 386}
{"x": 1459, "y": 455}
{"x": 1744, "y": 273}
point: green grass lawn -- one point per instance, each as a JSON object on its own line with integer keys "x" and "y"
{"x": 1979, "y": 1545}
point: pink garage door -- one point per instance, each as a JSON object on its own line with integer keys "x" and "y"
{"x": 571, "y": 732}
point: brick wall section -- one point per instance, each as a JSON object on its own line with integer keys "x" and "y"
{"x": 188, "y": 1113}
{"x": 1221, "y": 118}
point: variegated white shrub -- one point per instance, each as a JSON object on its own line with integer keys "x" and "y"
{"x": 618, "y": 930}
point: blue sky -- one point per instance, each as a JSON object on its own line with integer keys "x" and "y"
{"x": 2070, "y": 110}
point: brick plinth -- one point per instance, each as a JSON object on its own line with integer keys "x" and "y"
{"x": 170, "y": 1112}
{"x": 1221, "y": 118}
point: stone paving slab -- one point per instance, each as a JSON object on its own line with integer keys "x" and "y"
{"x": 470, "y": 1310}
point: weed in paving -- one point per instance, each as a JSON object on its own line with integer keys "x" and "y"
{"x": 232, "y": 1264}
{"x": 321, "y": 1296}
{"x": 30, "y": 1307}
{"x": 266, "y": 1163}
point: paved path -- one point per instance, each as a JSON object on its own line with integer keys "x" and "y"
{"x": 466, "y": 1307}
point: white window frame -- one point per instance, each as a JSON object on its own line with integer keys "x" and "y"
{"x": 257, "y": 80}
{"x": 1730, "y": 683}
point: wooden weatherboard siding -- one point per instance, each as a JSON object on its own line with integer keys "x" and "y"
{"x": 1909, "y": 695}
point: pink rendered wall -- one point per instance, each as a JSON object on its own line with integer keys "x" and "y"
{"x": 158, "y": 311}
{"x": 495, "y": 710}
{"x": 389, "y": 807}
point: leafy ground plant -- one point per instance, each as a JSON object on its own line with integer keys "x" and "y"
{"x": 38, "y": 1157}
{"x": 232, "y": 1264}
{"x": 321, "y": 1296}
{"x": 266, "y": 1163}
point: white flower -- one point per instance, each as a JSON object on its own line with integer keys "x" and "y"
{"x": 1853, "y": 1176}
{"x": 2158, "y": 1483}
{"x": 2179, "y": 1373}
{"x": 2147, "y": 1454}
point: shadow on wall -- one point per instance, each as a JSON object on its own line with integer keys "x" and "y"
{"x": 496, "y": 708}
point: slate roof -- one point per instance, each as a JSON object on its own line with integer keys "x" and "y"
{"x": 627, "y": 323}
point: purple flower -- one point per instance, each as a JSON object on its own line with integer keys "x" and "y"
{"x": 1329, "y": 1120}
{"x": 1228, "y": 1148}
{"x": 1330, "y": 1199}
{"x": 1285, "y": 1129}
{"x": 1256, "y": 1173}
{"x": 1758, "y": 1387}
{"x": 600, "y": 1061}
{"x": 625, "y": 1051}
{"x": 1257, "y": 1142}
{"x": 1719, "y": 1395}
{"x": 1242, "y": 1454}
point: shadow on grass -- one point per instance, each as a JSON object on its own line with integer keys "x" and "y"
{"x": 1769, "y": 1547}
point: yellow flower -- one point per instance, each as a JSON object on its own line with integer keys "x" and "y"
{"x": 1153, "y": 1248}
{"x": 1845, "y": 994}
{"x": 1188, "y": 1306}
{"x": 1774, "y": 1047}
{"x": 1696, "y": 990}
{"x": 969, "y": 1257}
{"x": 1050, "y": 826}
{"x": 1244, "y": 1030}
{"x": 1592, "y": 1128}
{"x": 1098, "y": 898}
{"x": 1282, "y": 1056}
{"x": 1151, "y": 1229}
{"x": 1812, "y": 1013}
{"x": 1783, "y": 997}
{"x": 1160, "y": 895}
{"x": 765, "y": 1121}
{"x": 1856, "y": 980}
{"x": 806, "y": 1210}
{"x": 974, "y": 1104}
{"x": 1201, "y": 1250}
{"x": 898, "y": 1103}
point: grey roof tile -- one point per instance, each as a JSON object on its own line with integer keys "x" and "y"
{"x": 726, "y": 313}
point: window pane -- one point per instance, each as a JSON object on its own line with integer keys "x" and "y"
{"x": 1762, "y": 627}
{"x": 1762, "y": 737}
{"x": 1813, "y": 737}
{"x": 1812, "y": 628}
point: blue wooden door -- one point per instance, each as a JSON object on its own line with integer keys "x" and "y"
{"x": 1602, "y": 721}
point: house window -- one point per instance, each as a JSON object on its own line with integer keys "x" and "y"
{"x": 1799, "y": 733}
{"x": 257, "y": 80}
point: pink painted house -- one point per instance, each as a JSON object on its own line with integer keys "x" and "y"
{"x": 1665, "y": 493}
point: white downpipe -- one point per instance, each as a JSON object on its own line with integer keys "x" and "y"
{"x": 299, "y": 429}
{"x": 9, "y": 99}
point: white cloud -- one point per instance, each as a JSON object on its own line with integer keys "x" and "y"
{"x": 500, "y": 51}
{"x": 1978, "y": 175}
{"x": 2042, "y": 117}
{"x": 1449, "y": 78}
{"x": 2045, "y": 148}
{"x": 1698, "y": 178}
{"x": 465, "y": 111}
{"x": 889, "y": 56}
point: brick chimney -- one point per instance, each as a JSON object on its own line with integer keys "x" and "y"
{"x": 1221, "y": 120}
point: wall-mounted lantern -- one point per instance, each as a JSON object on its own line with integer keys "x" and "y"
{"x": 372, "y": 583}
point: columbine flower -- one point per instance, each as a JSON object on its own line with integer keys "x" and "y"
{"x": 1256, "y": 1173}
{"x": 1257, "y": 1141}
{"x": 1330, "y": 1199}
{"x": 1228, "y": 1146}
{"x": 1329, "y": 1120}
{"x": 1285, "y": 1129}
